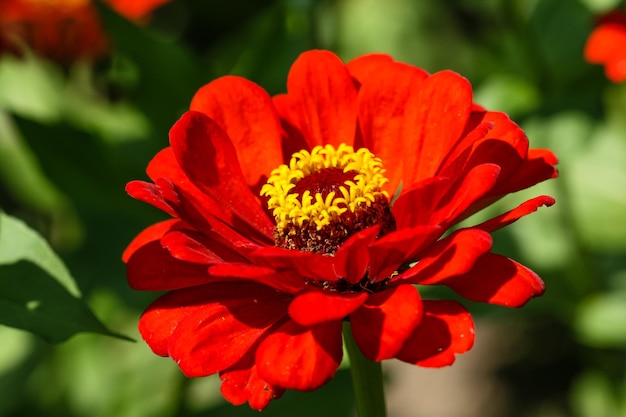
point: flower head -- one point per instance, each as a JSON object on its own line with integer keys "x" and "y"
{"x": 62, "y": 30}
{"x": 330, "y": 203}
{"x": 606, "y": 43}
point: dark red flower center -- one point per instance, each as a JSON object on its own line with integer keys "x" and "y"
{"x": 323, "y": 197}
{"x": 323, "y": 182}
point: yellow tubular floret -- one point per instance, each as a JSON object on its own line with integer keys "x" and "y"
{"x": 291, "y": 209}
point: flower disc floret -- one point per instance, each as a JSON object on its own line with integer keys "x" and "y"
{"x": 325, "y": 196}
{"x": 363, "y": 187}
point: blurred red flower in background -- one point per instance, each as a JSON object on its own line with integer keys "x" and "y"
{"x": 292, "y": 214}
{"x": 607, "y": 45}
{"x": 62, "y": 30}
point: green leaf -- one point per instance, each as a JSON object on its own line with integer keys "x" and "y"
{"x": 37, "y": 292}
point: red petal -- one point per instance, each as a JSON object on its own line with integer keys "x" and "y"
{"x": 446, "y": 329}
{"x": 164, "y": 165}
{"x": 307, "y": 264}
{"x": 512, "y": 216}
{"x": 454, "y": 255}
{"x": 545, "y": 155}
{"x": 156, "y": 325}
{"x": 388, "y": 115}
{"x": 208, "y": 157}
{"x": 457, "y": 204}
{"x": 246, "y": 113}
{"x": 352, "y": 259}
{"x": 399, "y": 247}
{"x": 175, "y": 194}
{"x": 300, "y": 358}
{"x": 362, "y": 67}
{"x": 287, "y": 282}
{"x": 186, "y": 199}
{"x": 225, "y": 320}
{"x": 615, "y": 69}
{"x": 436, "y": 201}
{"x": 162, "y": 317}
{"x": 192, "y": 246}
{"x": 204, "y": 218}
{"x": 184, "y": 208}
{"x": 293, "y": 141}
{"x": 602, "y": 43}
{"x": 323, "y": 99}
{"x": 152, "y": 268}
{"x": 149, "y": 234}
{"x": 444, "y": 106}
{"x": 500, "y": 128}
{"x": 314, "y": 307}
{"x": 492, "y": 151}
{"x": 504, "y": 129}
{"x": 171, "y": 182}
{"x": 538, "y": 167}
{"x": 606, "y": 46}
{"x": 241, "y": 383}
{"x": 151, "y": 194}
{"x": 135, "y": 10}
{"x": 385, "y": 321}
{"x": 496, "y": 279}
{"x": 415, "y": 205}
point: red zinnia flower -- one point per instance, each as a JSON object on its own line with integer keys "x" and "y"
{"x": 295, "y": 213}
{"x": 607, "y": 45}
{"x": 62, "y": 30}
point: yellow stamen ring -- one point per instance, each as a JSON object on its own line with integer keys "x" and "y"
{"x": 292, "y": 209}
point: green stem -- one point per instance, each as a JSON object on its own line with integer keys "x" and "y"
{"x": 367, "y": 379}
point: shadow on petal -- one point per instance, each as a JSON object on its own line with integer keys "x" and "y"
{"x": 301, "y": 358}
{"x": 446, "y": 329}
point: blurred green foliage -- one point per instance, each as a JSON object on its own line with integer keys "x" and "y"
{"x": 71, "y": 137}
